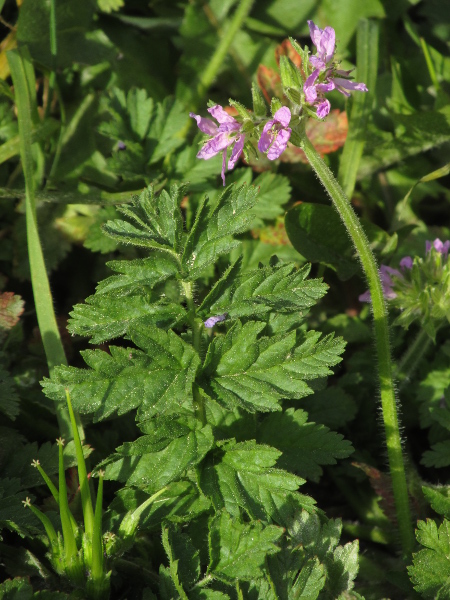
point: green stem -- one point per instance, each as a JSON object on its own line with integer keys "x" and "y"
{"x": 217, "y": 59}
{"x": 197, "y": 326}
{"x": 86, "y": 501}
{"x": 412, "y": 357}
{"x": 381, "y": 329}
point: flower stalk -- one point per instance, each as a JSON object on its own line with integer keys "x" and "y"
{"x": 381, "y": 330}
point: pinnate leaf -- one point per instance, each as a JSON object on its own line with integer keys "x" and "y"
{"x": 158, "y": 379}
{"x": 155, "y": 469}
{"x": 438, "y": 456}
{"x": 105, "y": 317}
{"x": 254, "y": 373}
{"x": 242, "y": 476}
{"x": 238, "y": 550}
{"x": 430, "y": 570}
{"x": 281, "y": 288}
{"x": 305, "y": 446}
{"x": 157, "y": 221}
{"x": 214, "y": 227}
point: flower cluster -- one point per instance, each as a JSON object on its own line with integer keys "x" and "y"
{"x": 420, "y": 289}
{"x": 326, "y": 76}
{"x": 406, "y": 264}
{"x": 272, "y": 134}
{"x": 273, "y": 140}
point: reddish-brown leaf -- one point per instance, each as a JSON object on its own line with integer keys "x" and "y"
{"x": 381, "y": 485}
{"x": 11, "y": 307}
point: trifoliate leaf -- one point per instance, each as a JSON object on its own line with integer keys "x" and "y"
{"x": 438, "y": 456}
{"x": 214, "y": 228}
{"x": 254, "y": 373}
{"x": 153, "y": 470}
{"x": 430, "y": 571}
{"x": 9, "y": 400}
{"x": 157, "y": 221}
{"x": 242, "y": 477}
{"x": 282, "y": 288}
{"x": 158, "y": 379}
{"x": 237, "y": 550}
{"x": 305, "y": 446}
{"x": 104, "y": 317}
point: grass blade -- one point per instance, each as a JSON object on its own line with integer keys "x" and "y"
{"x": 367, "y": 66}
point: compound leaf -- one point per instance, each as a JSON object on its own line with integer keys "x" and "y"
{"x": 238, "y": 550}
{"x": 305, "y": 446}
{"x": 242, "y": 476}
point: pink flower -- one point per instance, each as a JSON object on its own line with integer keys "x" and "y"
{"x": 276, "y": 134}
{"x": 225, "y": 134}
{"x": 441, "y": 247}
{"x": 326, "y": 74}
{"x": 386, "y": 283}
{"x": 324, "y": 40}
{"x": 406, "y": 263}
{"x": 209, "y": 323}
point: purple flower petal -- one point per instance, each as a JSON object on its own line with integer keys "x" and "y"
{"x": 222, "y": 116}
{"x": 283, "y": 116}
{"x": 310, "y": 89}
{"x": 406, "y": 262}
{"x": 315, "y": 33}
{"x": 205, "y": 125}
{"x": 326, "y": 87}
{"x": 323, "y": 109}
{"x": 266, "y": 138}
{"x": 215, "y": 145}
{"x": 324, "y": 40}
{"x": 280, "y": 143}
{"x": 327, "y": 44}
{"x": 350, "y": 85}
{"x": 317, "y": 63}
{"x": 209, "y": 323}
{"x": 428, "y": 246}
{"x": 366, "y": 297}
{"x": 236, "y": 152}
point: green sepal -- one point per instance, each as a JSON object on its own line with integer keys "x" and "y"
{"x": 259, "y": 104}
{"x": 275, "y": 105}
{"x": 290, "y": 75}
{"x": 243, "y": 112}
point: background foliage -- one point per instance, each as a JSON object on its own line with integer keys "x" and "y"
{"x": 110, "y": 119}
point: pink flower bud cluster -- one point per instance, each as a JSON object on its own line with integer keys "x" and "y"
{"x": 406, "y": 263}
{"x": 326, "y": 77}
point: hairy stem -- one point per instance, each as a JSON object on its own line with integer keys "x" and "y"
{"x": 381, "y": 330}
